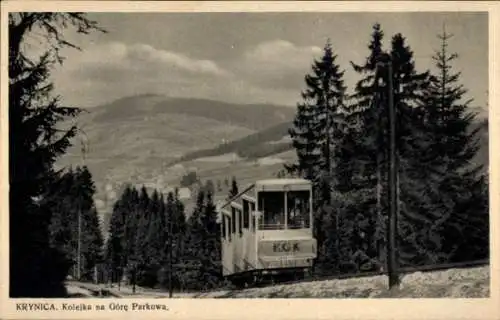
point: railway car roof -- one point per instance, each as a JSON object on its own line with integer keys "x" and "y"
{"x": 280, "y": 182}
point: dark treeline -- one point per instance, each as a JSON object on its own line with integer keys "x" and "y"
{"x": 75, "y": 226}
{"x": 41, "y": 250}
{"x": 151, "y": 243}
{"x": 342, "y": 144}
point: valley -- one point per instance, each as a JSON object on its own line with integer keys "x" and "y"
{"x": 153, "y": 140}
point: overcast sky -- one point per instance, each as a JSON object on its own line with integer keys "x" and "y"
{"x": 251, "y": 57}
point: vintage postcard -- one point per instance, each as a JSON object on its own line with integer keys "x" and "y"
{"x": 222, "y": 160}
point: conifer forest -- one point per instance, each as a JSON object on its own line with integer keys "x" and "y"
{"x": 341, "y": 140}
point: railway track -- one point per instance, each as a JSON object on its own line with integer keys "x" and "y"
{"x": 98, "y": 291}
{"x": 95, "y": 290}
{"x": 402, "y": 271}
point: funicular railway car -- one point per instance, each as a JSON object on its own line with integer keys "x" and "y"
{"x": 267, "y": 232}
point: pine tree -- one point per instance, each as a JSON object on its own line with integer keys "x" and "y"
{"x": 116, "y": 255}
{"x": 154, "y": 241}
{"x": 71, "y": 202}
{"x": 317, "y": 134}
{"x": 369, "y": 157}
{"x": 303, "y": 135}
{"x": 93, "y": 243}
{"x": 179, "y": 229}
{"x": 372, "y": 159}
{"x": 60, "y": 200}
{"x": 121, "y": 247}
{"x": 169, "y": 212}
{"x": 141, "y": 259}
{"x": 194, "y": 246}
{"x": 133, "y": 213}
{"x": 91, "y": 236}
{"x": 459, "y": 193}
{"x": 416, "y": 216}
{"x": 210, "y": 254}
{"x": 179, "y": 226}
{"x": 36, "y": 270}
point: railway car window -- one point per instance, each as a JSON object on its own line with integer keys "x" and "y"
{"x": 240, "y": 222}
{"x": 298, "y": 209}
{"x": 229, "y": 228}
{"x": 272, "y": 205}
{"x": 223, "y": 225}
{"x": 246, "y": 214}
{"x": 233, "y": 220}
{"x": 252, "y": 217}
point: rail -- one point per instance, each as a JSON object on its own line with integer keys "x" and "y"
{"x": 403, "y": 270}
{"x": 95, "y": 290}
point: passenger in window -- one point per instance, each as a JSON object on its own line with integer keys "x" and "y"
{"x": 278, "y": 220}
{"x": 295, "y": 215}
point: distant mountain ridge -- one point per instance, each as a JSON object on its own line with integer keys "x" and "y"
{"x": 251, "y": 116}
{"x": 139, "y": 139}
{"x": 134, "y": 139}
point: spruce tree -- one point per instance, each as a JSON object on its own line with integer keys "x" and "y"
{"x": 176, "y": 245}
{"x": 116, "y": 255}
{"x": 179, "y": 230}
{"x": 141, "y": 259}
{"x": 169, "y": 212}
{"x": 132, "y": 209}
{"x": 372, "y": 160}
{"x": 36, "y": 269}
{"x": 317, "y": 134}
{"x": 459, "y": 195}
{"x": 93, "y": 251}
{"x": 153, "y": 241}
{"x": 369, "y": 157}
{"x": 91, "y": 235}
{"x": 417, "y": 241}
{"x": 194, "y": 246}
{"x": 59, "y": 199}
{"x": 75, "y": 226}
{"x": 303, "y": 135}
{"x": 179, "y": 226}
{"x": 210, "y": 254}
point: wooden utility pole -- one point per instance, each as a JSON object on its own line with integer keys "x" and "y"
{"x": 79, "y": 244}
{"x": 170, "y": 238}
{"x": 392, "y": 249}
{"x": 78, "y": 250}
{"x": 134, "y": 277}
{"x": 393, "y": 186}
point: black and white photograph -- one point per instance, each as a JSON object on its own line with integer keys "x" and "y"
{"x": 207, "y": 155}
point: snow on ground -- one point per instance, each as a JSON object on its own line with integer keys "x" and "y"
{"x": 77, "y": 292}
{"x": 452, "y": 283}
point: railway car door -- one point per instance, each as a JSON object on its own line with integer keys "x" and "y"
{"x": 226, "y": 242}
